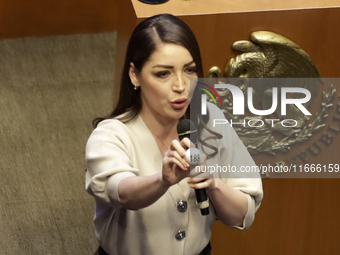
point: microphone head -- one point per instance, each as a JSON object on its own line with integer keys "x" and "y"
{"x": 187, "y": 128}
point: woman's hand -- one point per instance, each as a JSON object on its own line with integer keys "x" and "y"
{"x": 175, "y": 167}
{"x": 202, "y": 183}
{"x": 201, "y": 179}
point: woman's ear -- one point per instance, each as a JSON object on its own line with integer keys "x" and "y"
{"x": 133, "y": 75}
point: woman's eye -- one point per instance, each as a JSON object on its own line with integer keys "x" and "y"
{"x": 162, "y": 74}
{"x": 191, "y": 70}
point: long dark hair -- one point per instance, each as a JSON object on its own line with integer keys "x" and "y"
{"x": 164, "y": 28}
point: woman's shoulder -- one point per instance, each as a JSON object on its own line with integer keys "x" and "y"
{"x": 110, "y": 125}
{"x": 111, "y": 130}
{"x": 121, "y": 122}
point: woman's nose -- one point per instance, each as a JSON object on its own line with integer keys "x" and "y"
{"x": 179, "y": 83}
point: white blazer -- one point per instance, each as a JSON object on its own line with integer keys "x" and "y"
{"x": 117, "y": 150}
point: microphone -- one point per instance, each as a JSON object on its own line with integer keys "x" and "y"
{"x": 186, "y": 128}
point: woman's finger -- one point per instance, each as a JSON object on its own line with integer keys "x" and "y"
{"x": 186, "y": 143}
{"x": 202, "y": 185}
{"x": 176, "y": 145}
{"x": 175, "y": 154}
{"x": 172, "y": 160}
{"x": 196, "y": 180}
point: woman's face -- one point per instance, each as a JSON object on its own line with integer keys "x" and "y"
{"x": 165, "y": 81}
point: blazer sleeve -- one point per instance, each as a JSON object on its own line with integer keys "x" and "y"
{"x": 108, "y": 160}
{"x": 249, "y": 183}
{"x": 233, "y": 153}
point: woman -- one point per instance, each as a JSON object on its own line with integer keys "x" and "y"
{"x": 136, "y": 167}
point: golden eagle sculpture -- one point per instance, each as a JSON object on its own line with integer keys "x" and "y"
{"x": 270, "y": 55}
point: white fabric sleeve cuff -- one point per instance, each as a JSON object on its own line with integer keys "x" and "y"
{"x": 112, "y": 187}
{"x": 250, "y": 216}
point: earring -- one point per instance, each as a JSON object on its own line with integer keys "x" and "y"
{"x": 136, "y": 87}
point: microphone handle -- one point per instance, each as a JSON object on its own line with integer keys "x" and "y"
{"x": 202, "y": 200}
{"x": 193, "y": 155}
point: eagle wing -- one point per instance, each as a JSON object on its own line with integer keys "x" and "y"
{"x": 270, "y": 55}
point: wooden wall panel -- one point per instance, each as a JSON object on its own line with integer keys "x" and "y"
{"x": 127, "y": 23}
{"x": 315, "y": 30}
{"x": 297, "y": 216}
{"x": 52, "y": 17}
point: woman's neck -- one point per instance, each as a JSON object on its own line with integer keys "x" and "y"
{"x": 163, "y": 128}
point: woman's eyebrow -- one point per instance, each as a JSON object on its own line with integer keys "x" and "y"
{"x": 188, "y": 64}
{"x": 172, "y": 67}
{"x": 164, "y": 66}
